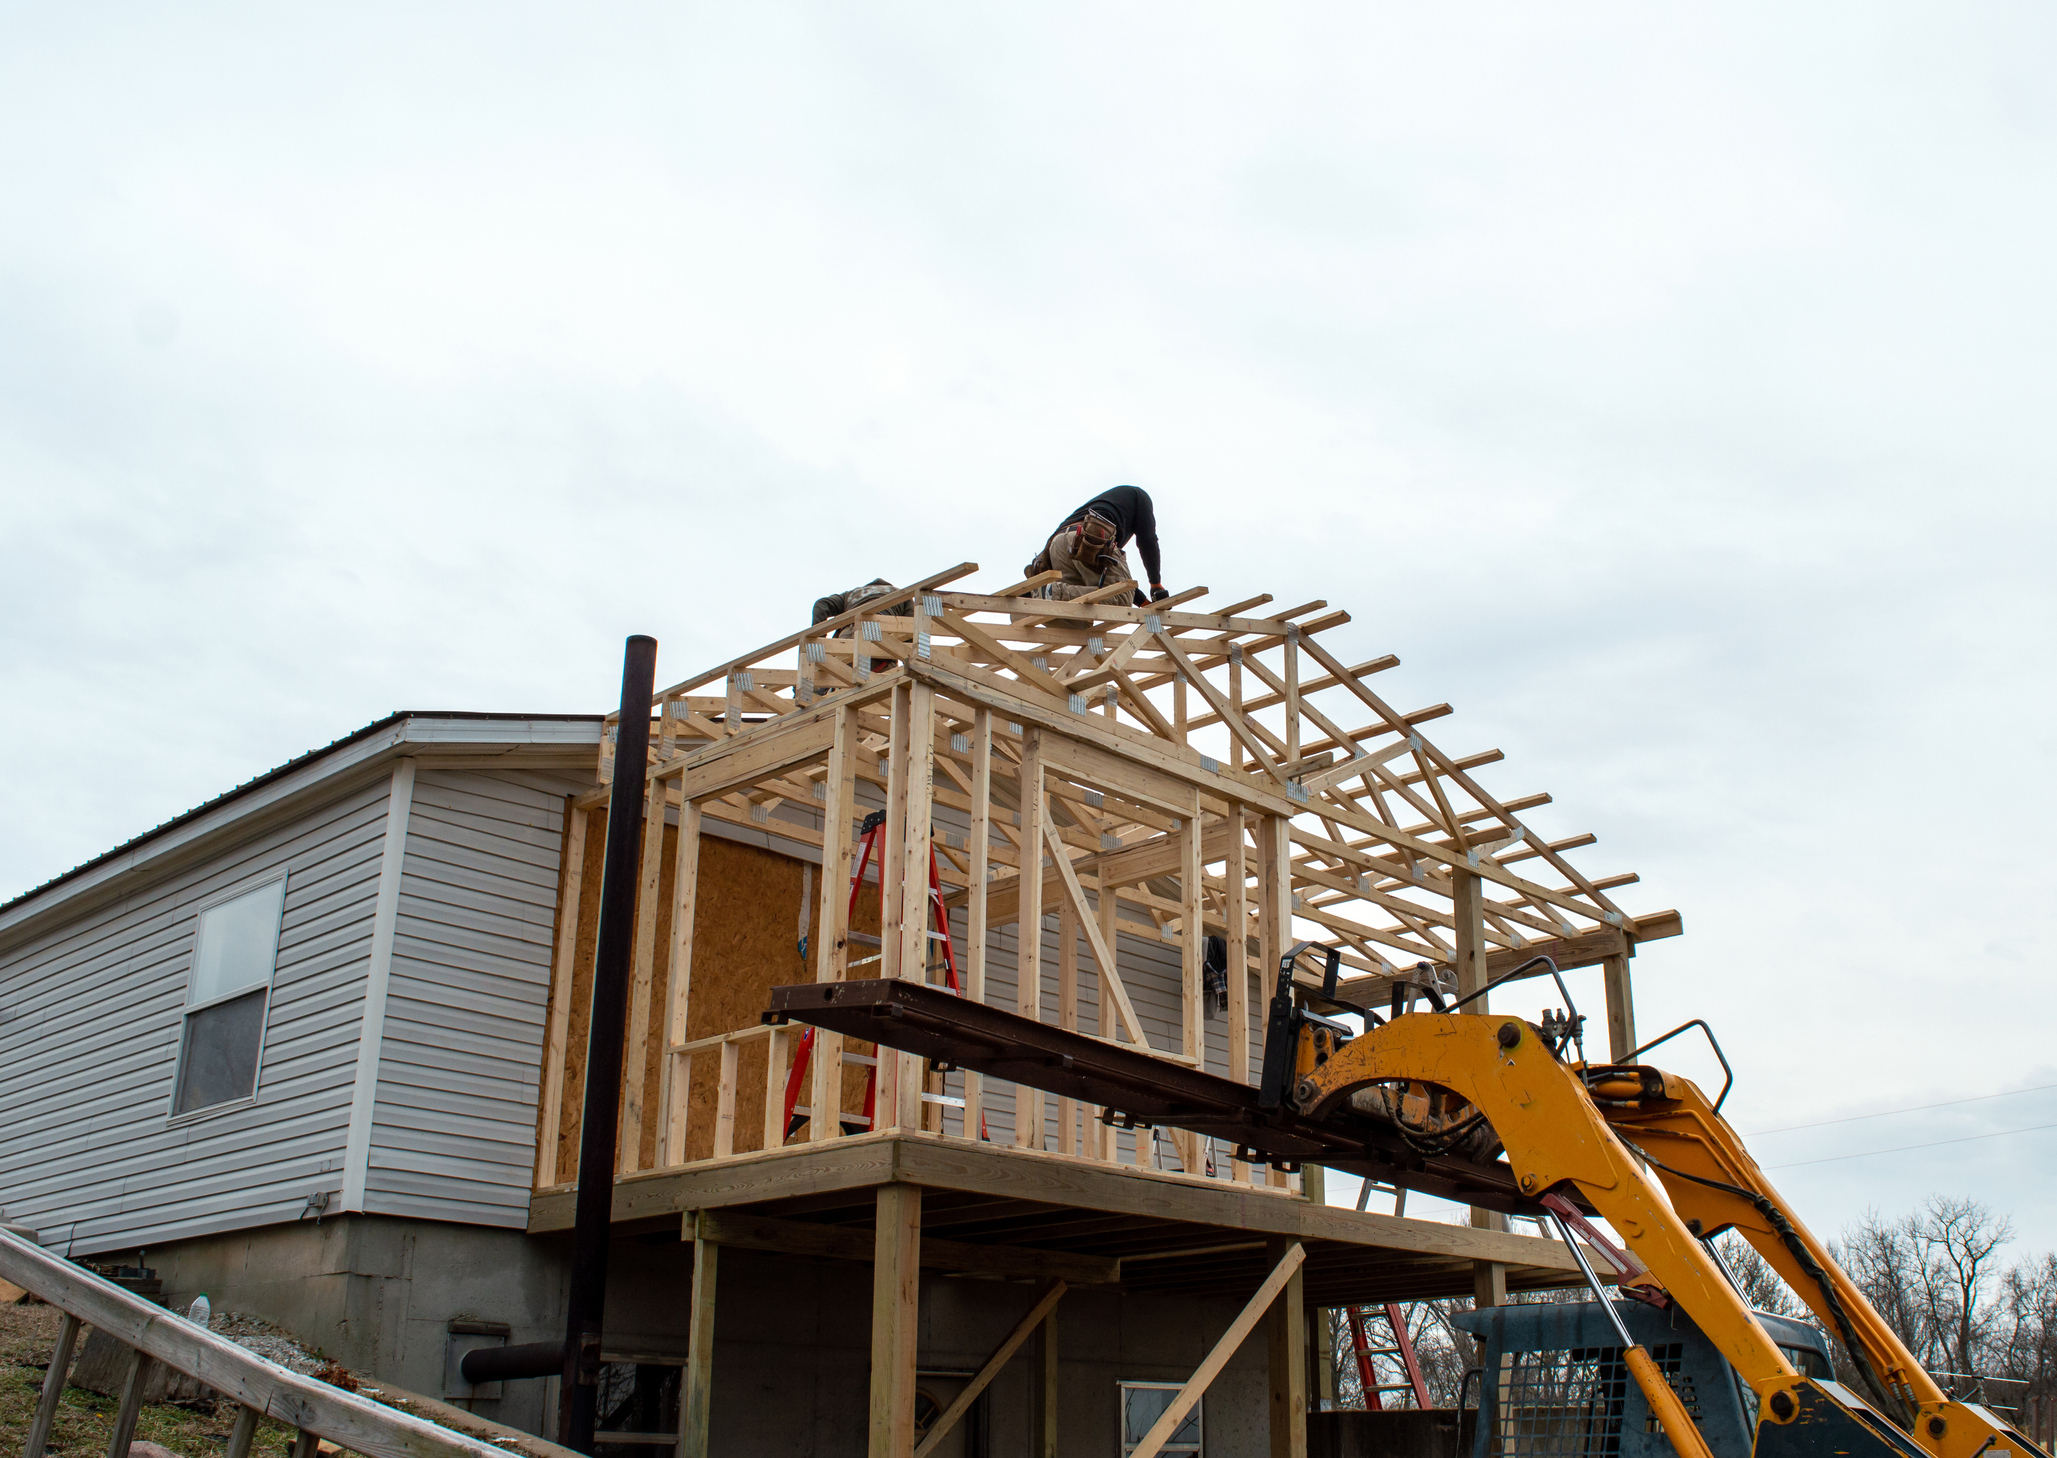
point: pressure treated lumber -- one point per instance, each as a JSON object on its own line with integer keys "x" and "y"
{"x": 1023, "y": 1329}
{"x": 747, "y": 1231}
{"x": 1245, "y": 1322}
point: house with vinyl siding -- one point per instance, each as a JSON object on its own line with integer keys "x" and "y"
{"x": 322, "y": 992}
{"x": 316, "y": 1048}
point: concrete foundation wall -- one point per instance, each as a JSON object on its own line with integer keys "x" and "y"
{"x": 792, "y": 1336}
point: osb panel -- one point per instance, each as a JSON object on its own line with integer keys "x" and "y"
{"x": 742, "y": 950}
{"x": 746, "y": 929}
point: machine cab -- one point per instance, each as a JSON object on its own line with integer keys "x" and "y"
{"x": 1554, "y": 1384}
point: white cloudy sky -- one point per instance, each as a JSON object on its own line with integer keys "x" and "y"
{"x": 1667, "y": 386}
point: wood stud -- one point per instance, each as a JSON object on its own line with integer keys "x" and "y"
{"x": 1099, "y": 753}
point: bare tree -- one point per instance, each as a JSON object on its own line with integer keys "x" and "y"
{"x": 1957, "y": 1240}
{"x": 1880, "y": 1256}
{"x": 1763, "y": 1288}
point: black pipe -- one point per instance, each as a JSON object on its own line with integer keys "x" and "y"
{"x": 600, "y": 1124}
{"x": 497, "y": 1364}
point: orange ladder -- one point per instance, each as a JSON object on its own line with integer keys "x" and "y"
{"x": 939, "y": 915}
{"x": 1402, "y": 1347}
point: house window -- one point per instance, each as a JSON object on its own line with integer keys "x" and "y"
{"x": 226, "y": 994}
{"x": 1142, "y": 1403}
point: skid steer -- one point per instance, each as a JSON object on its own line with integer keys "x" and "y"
{"x": 1506, "y": 1114}
{"x": 1555, "y": 1384}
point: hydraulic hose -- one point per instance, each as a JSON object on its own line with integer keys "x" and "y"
{"x": 1776, "y": 1219}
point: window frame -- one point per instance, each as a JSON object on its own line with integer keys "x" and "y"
{"x": 1124, "y": 1385}
{"x": 246, "y": 887}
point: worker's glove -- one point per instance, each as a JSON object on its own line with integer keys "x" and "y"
{"x": 1159, "y": 592}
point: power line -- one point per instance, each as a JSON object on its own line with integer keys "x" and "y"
{"x": 1914, "y": 1109}
{"x": 1903, "y": 1148}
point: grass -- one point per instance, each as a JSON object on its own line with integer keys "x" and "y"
{"x": 85, "y": 1420}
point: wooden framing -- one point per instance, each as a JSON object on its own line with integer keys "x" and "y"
{"x": 1147, "y": 777}
{"x": 1156, "y": 773}
{"x": 895, "y": 1320}
{"x": 1263, "y": 1306}
{"x": 1023, "y": 1330}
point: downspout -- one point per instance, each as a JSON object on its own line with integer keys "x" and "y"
{"x": 577, "y": 1358}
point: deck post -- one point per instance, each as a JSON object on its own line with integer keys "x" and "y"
{"x": 1046, "y": 1390}
{"x": 1286, "y": 1340}
{"x": 895, "y": 1313}
{"x": 696, "y": 1382}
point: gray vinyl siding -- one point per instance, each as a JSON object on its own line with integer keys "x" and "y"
{"x": 454, "y": 1131}
{"x": 90, "y": 1022}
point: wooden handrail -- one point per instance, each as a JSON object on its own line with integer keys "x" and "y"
{"x": 260, "y": 1387}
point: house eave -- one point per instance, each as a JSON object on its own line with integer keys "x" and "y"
{"x": 448, "y": 738}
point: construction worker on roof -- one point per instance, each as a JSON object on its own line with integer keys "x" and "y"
{"x": 1088, "y": 547}
{"x": 838, "y": 603}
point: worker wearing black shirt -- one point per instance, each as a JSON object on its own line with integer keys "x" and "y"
{"x": 1087, "y": 547}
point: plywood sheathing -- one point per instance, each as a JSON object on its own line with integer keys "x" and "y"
{"x": 745, "y": 942}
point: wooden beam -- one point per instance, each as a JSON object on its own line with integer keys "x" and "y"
{"x": 696, "y": 1381}
{"x": 1286, "y": 1350}
{"x": 1246, "y": 1321}
{"x": 866, "y": 1161}
{"x": 972, "y": 686}
{"x": 563, "y": 979}
{"x": 1467, "y": 911}
{"x": 817, "y": 630}
{"x": 1238, "y": 919}
{"x": 979, "y": 848}
{"x": 832, "y": 918}
{"x": 1046, "y": 1390}
{"x": 908, "y": 895}
{"x": 764, "y": 754}
{"x": 629, "y": 1157}
{"x": 131, "y": 1409}
{"x": 1028, "y": 938}
{"x": 1192, "y": 936}
{"x": 1103, "y": 954}
{"x": 53, "y": 1387}
{"x": 1002, "y": 1354}
{"x": 675, "y": 1086}
{"x": 1621, "y": 1009}
{"x": 748, "y": 1231}
{"x": 895, "y": 1320}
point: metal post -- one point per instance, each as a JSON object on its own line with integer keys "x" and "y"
{"x": 598, "y": 1127}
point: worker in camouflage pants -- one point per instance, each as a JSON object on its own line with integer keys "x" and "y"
{"x": 838, "y": 603}
{"x": 1087, "y": 548}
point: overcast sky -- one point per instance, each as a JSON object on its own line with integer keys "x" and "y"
{"x": 1668, "y": 386}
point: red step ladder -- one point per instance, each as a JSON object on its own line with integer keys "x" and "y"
{"x": 1402, "y": 1347}
{"x": 939, "y": 915}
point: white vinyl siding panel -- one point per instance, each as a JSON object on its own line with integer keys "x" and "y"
{"x": 89, "y": 1033}
{"x": 453, "y": 1135}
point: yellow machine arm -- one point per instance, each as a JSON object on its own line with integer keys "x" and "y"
{"x": 1646, "y": 1151}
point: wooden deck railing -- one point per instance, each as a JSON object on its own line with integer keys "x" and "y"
{"x": 261, "y": 1388}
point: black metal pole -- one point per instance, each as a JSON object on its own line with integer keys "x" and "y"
{"x": 599, "y": 1126}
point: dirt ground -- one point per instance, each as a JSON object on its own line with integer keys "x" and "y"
{"x": 85, "y": 1420}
